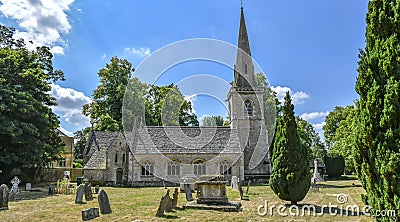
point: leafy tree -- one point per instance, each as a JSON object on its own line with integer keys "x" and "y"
{"x": 377, "y": 154}
{"x": 28, "y": 135}
{"x": 105, "y": 111}
{"x": 213, "y": 121}
{"x": 106, "y": 108}
{"x": 291, "y": 177}
{"x": 310, "y": 139}
{"x": 81, "y": 137}
{"x": 343, "y": 138}
{"x": 332, "y": 121}
{"x": 165, "y": 105}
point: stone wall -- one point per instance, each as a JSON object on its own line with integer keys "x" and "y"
{"x": 54, "y": 174}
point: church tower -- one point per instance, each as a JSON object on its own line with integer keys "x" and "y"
{"x": 246, "y": 114}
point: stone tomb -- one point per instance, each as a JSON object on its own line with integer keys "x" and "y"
{"x": 104, "y": 202}
{"x": 211, "y": 194}
{"x": 3, "y": 197}
{"x": 90, "y": 213}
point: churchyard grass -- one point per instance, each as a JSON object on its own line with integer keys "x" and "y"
{"x": 130, "y": 204}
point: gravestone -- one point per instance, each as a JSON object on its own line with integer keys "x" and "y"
{"x": 248, "y": 186}
{"x": 28, "y": 186}
{"x": 90, "y": 213}
{"x": 104, "y": 202}
{"x": 4, "y": 197}
{"x": 79, "y": 194}
{"x": 188, "y": 192}
{"x": 88, "y": 192}
{"x": 175, "y": 198}
{"x": 316, "y": 176}
{"x": 51, "y": 190}
{"x": 164, "y": 202}
{"x": 168, "y": 207}
{"x": 234, "y": 182}
{"x": 239, "y": 183}
{"x": 96, "y": 189}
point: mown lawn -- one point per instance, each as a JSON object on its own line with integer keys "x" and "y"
{"x": 140, "y": 204}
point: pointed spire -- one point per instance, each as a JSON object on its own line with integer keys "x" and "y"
{"x": 244, "y": 69}
{"x": 243, "y": 39}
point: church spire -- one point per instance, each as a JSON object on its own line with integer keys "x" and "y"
{"x": 244, "y": 69}
{"x": 243, "y": 39}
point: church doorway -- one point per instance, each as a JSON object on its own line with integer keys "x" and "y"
{"x": 119, "y": 175}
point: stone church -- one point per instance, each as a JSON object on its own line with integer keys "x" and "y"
{"x": 155, "y": 158}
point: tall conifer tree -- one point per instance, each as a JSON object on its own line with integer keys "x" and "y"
{"x": 377, "y": 155}
{"x": 290, "y": 178}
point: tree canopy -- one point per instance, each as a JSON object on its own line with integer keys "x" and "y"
{"x": 28, "y": 126}
{"x": 377, "y": 146}
{"x": 159, "y": 105}
{"x": 212, "y": 121}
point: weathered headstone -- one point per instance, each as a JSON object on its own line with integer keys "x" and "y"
{"x": 88, "y": 192}
{"x": 188, "y": 192}
{"x": 28, "y": 186}
{"x": 90, "y": 213}
{"x": 168, "y": 207}
{"x": 175, "y": 198}
{"x": 51, "y": 190}
{"x": 96, "y": 189}
{"x": 79, "y": 194}
{"x": 234, "y": 182}
{"x": 163, "y": 205}
{"x": 4, "y": 197}
{"x": 104, "y": 202}
{"x": 239, "y": 183}
{"x": 248, "y": 186}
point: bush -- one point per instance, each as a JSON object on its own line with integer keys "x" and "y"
{"x": 334, "y": 165}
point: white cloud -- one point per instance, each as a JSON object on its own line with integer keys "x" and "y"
{"x": 68, "y": 133}
{"x": 297, "y": 97}
{"x": 313, "y": 115}
{"x": 141, "y": 52}
{"x": 318, "y": 126}
{"x": 103, "y": 56}
{"x": 69, "y": 105}
{"x": 57, "y": 50}
{"x": 40, "y": 21}
{"x": 191, "y": 99}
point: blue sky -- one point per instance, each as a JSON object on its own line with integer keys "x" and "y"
{"x": 310, "y": 47}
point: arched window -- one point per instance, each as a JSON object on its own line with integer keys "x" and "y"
{"x": 173, "y": 168}
{"x": 199, "y": 167}
{"x": 248, "y": 107}
{"x": 225, "y": 167}
{"x": 245, "y": 68}
{"x": 147, "y": 168}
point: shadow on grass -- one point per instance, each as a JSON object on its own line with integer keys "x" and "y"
{"x": 167, "y": 216}
{"x": 338, "y": 186}
{"x": 31, "y": 195}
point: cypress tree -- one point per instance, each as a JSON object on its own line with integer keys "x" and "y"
{"x": 376, "y": 155}
{"x": 291, "y": 177}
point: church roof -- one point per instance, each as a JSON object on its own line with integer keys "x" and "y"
{"x": 179, "y": 140}
{"x": 98, "y": 145}
{"x": 164, "y": 140}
